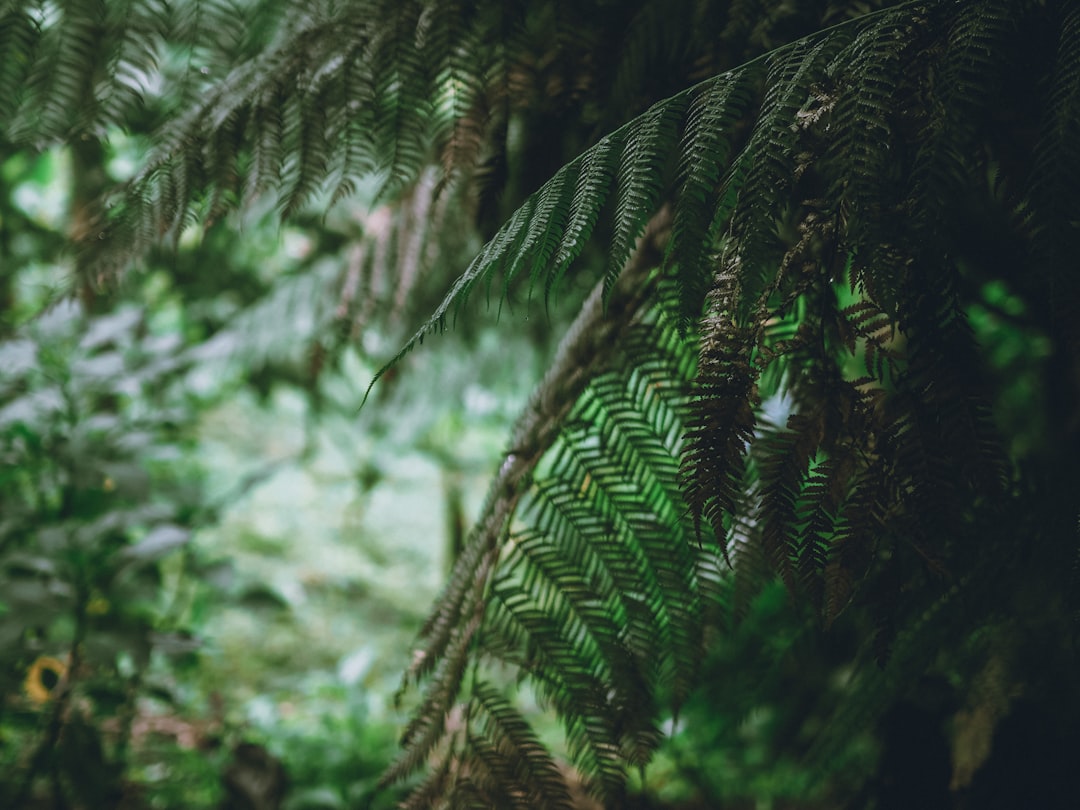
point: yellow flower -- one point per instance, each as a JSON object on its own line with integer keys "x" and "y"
{"x": 43, "y": 677}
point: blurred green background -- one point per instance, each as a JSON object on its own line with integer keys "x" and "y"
{"x": 199, "y": 530}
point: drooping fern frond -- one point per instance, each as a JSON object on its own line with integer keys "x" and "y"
{"x": 815, "y": 194}
{"x": 584, "y": 576}
{"x": 342, "y": 91}
{"x": 347, "y": 76}
{"x": 723, "y": 418}
{"x": 73, "y": 70}
{"x": 641, "y": 159}
{"x": 345, "y": 91}
{"x": 578, "y": 360}
{"x": 755, "y": 193}
{"x": 53, "y": 56}
{"x": 711, "y": 123}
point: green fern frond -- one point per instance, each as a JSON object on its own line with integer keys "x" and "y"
{"x": 514, "y": 740}
{"x": 862, "y": 112}
{"x": 713, "y": 115}
{"x": 297, "y": 102}
{"x": 403, "y": 87}
{"x": 58, "y": 95}
{"x": 761, "y": 177}
{"x": 568, "y": 679}
{"x": 642, "y": 578}
{"x": 816, "y": 193}
{"x": 428, "y": 728}
{"x": 784, "y": 469}
{"x": 747, "y": 568}
{"x": 865, "y": 481}
{"x": 820, "y": 515}
{"x": 546, "y": 221}
{"x": 303, "y": 136}
{"x": 630, "y": 469}
{"x": 945, "y": 362}
{"x": 142, "y": 25}
{"x": 962, "y": 87}
{"x": 580, "y": 357}
{"x": 596, "y": 597}
{"x": 593, "y": 185}
{"x": 19, "y": 37}
{"x": 78, "y": 68}
{"x": 649, "y": 155}
{"x": 267, "y": 151}
{"x": 458, "y": 108}
{"x": 640, "y": 179}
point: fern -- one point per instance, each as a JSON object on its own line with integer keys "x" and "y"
{"x": 640, "y": 176}
{"x": 18, "y": 40}
{"x": 711, "y": 123}
{"x": 585, "y": 595}
{"x": 880, "y": 466}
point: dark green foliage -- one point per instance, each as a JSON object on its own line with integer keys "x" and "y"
{"x": 594, "y": 591}
{"x": 874, "y": 479}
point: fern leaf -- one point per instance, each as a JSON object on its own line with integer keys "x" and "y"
{"x": 594, "y": 179}
{"x": 596, "y": 600}
{"x": 546, "y": 223}
{"x": 971, "y": 78}
{"x": 434, "y": 788}
{"x": 267, "y": 151}
{"x": 763, "y": 173}
{"x": 66, "y": 92}
{"x": 866, "y": 75}
{"x": 641, "y": 176}
{"x": 748, "y": 568}
{"x": 714, "y": 113}
{"x": 139, "y": 26}
{"x": 784, "y": 467}
{"x": 722, "y": 424}
{"x": 429, "y": 724}
{"x": 401, "y": 93}
{"x": 565, "y": 673}
{"x": 19, "y": 43}
{"x": 303, "y": 140}
{"x": 461, "y": 111}
{"x": 512, "y": 735}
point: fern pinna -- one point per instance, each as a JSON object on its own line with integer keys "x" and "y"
{"x": 816, "y": 254}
